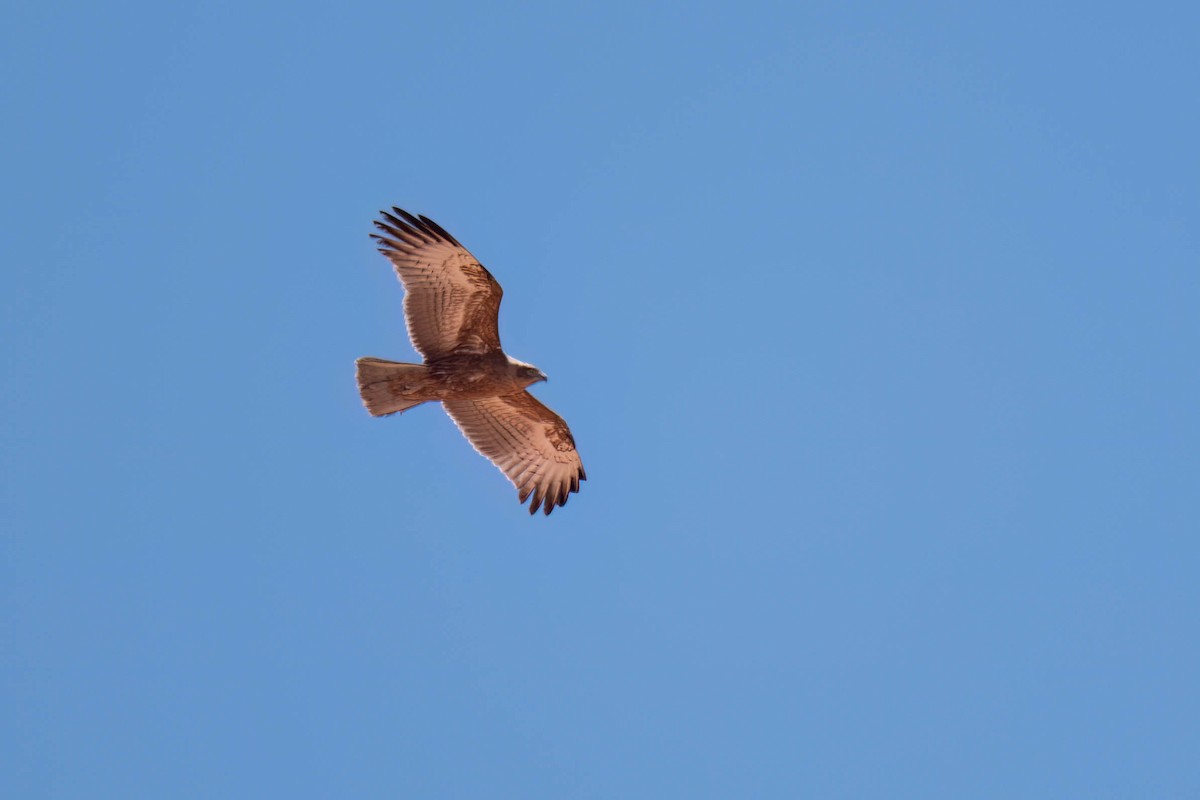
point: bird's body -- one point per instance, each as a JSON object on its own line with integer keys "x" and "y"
{"x": 457, "y": 377}
{"x": 451, "y": 307}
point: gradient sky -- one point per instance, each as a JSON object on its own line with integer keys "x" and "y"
{"x": 877, "y": 328}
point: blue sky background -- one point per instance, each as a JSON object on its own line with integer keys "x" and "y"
{"x": 877, "y": 327}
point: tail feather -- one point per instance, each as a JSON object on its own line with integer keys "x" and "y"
{"x": 388, "y": 387}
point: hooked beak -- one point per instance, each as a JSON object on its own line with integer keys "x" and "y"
{"x": 544, "y": 379}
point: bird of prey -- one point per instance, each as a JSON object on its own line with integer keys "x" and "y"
{"x": 451, "y": 307}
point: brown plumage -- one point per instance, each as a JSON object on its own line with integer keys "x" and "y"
{"x": 451, "y": 307}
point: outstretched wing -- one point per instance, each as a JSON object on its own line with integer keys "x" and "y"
{"x": 451, "y": 302}
{"x": 527, "y": 441}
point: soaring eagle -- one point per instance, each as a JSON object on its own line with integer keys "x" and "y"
{"x": 452, "y": 306}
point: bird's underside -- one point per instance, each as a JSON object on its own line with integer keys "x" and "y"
{"x": 388, "y": 384}
{"x": 451, "y": 307}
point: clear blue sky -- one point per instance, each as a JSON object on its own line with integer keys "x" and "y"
{"x": 877, "y": 328}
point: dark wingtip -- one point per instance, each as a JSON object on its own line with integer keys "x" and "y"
{"x": 439, "y": 230}
{"x": 418, "y": 226}
{"x": 411, "y": 219}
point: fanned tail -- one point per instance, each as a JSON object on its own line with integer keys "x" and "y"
{"x": 388, "y": 387}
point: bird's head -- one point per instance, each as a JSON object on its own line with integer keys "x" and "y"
{"x": 526, "y": 373}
